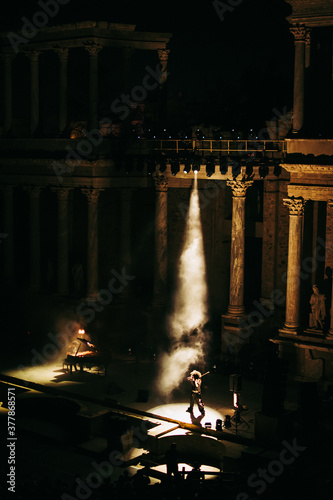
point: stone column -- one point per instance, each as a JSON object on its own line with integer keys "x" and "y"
{"x": 236, "y": 294}
{"x": 34, "y": 193}
{"x": 307, "y": 48}
{"x": 125, "y": 230}
{"x": 161, "y": 240}
{"x": 329, "y": 235}
{"x": 92, "y": 195}
{"x": 127, "y": 56}
{"x": 62, "y": 266}
{"x": 93, "y": 51}
{"x": 8, "y": 98}
{"x": 163, "y": 56}
{"x": 8, "y": 241}
{"x": 296, "y": 211}
{"x": 63, "y": 60}
{"x": 329, "y": 255}
{"x": 34, "y": 91}
{"x": 299, "y": 32}
{"x": 269, "y": 241}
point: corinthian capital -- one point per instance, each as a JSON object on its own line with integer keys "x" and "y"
{"x": 33, "y": 55}
{"x": 62, "y": 193}
{"x": 161, "y": 182}
{"x": 239, "y": 188}
{"x": 295, "y": 205}
{"x": 163, "y": 54}
{"x": 62, "y": 53}
{"x": 93, "y": 49}
{"x": 299, "y": 31}
{"x": 92, "y": 194}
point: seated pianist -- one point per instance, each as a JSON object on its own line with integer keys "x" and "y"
{"x": 81, "y": 352}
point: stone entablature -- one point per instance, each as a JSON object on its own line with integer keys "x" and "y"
{"x": 314, "y": 147}
{"x": 102, "y": 33}
{"x": 312, "y": 13}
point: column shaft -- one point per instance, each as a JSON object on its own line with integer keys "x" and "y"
{"x": 161, "y": 240}
{"x": 8, "y": 242}
{"x": 237, "y": 255}
{"x": 8, "y": 102}
{"x": 93, "y": 85}
{"x": 62, "y": 259}
{"x": 63, "y": 60}
{"x": 296, "y": 208}
{"x": 125, "y": 229}
{"x": 299, "y": 33}
{"x": 92, "y": 243}
{"x": 34, "y": 92}
{"x": 34, "y": 193}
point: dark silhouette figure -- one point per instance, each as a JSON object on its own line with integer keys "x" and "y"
{"x": 172, "y": 459}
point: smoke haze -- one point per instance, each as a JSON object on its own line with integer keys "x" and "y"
{"x": 189, "y": 315}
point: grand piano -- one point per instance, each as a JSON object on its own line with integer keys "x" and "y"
{"x": 81, "y": 353}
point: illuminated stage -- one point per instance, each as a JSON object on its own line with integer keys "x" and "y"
{"x": 177, "y": 411}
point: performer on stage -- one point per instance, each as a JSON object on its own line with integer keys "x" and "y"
{"x": 195, "y": 380}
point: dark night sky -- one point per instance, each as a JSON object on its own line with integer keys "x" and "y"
{"x": 239, "y": 69}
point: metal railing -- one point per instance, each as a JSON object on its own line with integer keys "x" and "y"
{"x": 225, "y": 146}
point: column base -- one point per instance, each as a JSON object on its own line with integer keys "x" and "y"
{"x": 289, "y": 330}
{"x": 236, "y": 311}
{"x": 235, "y": 333}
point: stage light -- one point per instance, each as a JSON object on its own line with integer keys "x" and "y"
{"x": 277, "y": 170}
{"x": 162, "y": 165}
{"x": 235, "y": 399}
{"x": 249, "y": 170}
{"x": 187, "y": 167}
{"x": 236, "y": 169}
{"x": 223, "y": 169}
{"x": 210, "y": 169}
{"x": 227, "y": 421}
{"x": 151, "y": 167}
{"x": 263, "y": 171}
{"x": 199, "y": 134}
{"x": 218, "y": 425}
{"x": 174, "y": 167}
{"x": 196, "y": 168}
